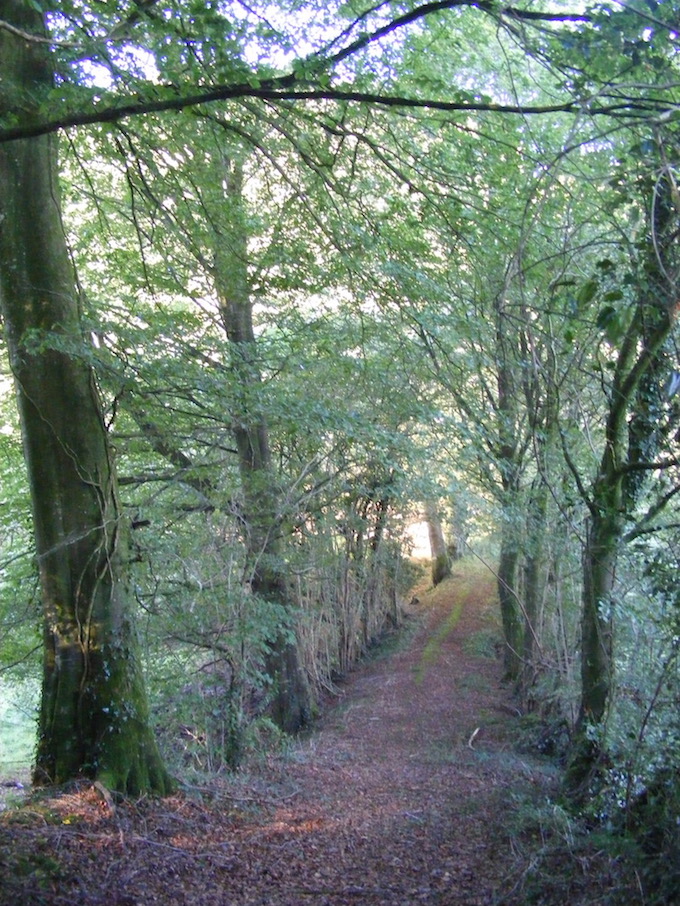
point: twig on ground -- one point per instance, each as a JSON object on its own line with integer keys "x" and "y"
{"x": 472, "y": 738}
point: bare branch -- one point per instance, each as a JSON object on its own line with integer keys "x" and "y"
{"x": 31, "y": 38}
{"x": 634, "y": 108}
{"x": 646, "y": 525}
{"x": 427, "y": 9}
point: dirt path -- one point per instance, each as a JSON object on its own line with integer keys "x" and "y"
{"x": 405, "y": 794}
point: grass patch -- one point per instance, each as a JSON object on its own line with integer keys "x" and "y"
{"x": 483, "y": 643}
{"x": 458, "y": 589}
{"x": 475, "y": 682}
{"x": 434, "y": 644}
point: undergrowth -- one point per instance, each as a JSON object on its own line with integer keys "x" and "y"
{"x": 604, "y": 854}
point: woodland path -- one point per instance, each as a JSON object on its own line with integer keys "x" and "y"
{"x": 406, "y": 793}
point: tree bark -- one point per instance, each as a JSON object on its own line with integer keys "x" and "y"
{"x": 511, "y": 617}
{"x": 441, "y": 564}
{"x": 597, "y": 625}
{"x": 510, "y": 465}
{"x": 373, "y": 616}
{"x": 543, "y": 413}
{"x": 534, "y": 580}
{"x": 614, "y": 491}
{"x": 599, "y": 568}
{"x": 290, "y": 703}
{"x": 94, "y": 716}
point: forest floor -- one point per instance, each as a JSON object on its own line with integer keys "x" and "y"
{"x": 411, "y": 789}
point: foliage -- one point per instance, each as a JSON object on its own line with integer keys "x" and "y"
{"x": 455, "y": 269}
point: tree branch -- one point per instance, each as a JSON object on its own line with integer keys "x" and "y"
{"x": 32, "y": 38}
{"x": 284, "y": 87}
{"x": 645, "y": 525}
{"x": 636, "y": 107}
{"x": 138, "y": 107}
{"x": 436, "y": 6}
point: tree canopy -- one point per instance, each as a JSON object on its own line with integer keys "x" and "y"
{"x": 311, "y": 272}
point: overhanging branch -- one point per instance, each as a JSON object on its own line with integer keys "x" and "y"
{"x": 436, "y": 6}
{"x": 639, "y": 108}
{"x": 291, "y": 85}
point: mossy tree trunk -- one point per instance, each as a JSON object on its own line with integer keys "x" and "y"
{"x": 511, "y": 616}
{"x": 290, "y": 701}
{"x": 543, "y": 414}
{"x": 630, "y": 447}
{"x": 94, "y": 714}
{"x": 509, "y": 459}
{"x": 597, "y": 626}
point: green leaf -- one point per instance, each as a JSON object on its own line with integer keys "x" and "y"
{"x": 610, "y": 321}
{"x": 587, "y": 293}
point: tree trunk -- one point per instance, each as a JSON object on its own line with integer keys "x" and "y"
{"x": 510, "y": 465}
{"x": 534, "y": 579}
{"x": 441, "y": 565}
{"x": 373, "y": 614}
{"x": 596, "y": 623}
{"x": 629, "y": 444}
{"x": 597, "y": 654}
{"x": 543, "y": 412}
{"x": 290, "y": 704}
{"x": 94, "y": 713}
{"x": 510, "y": 612}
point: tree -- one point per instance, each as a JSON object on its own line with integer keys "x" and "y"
{"x": 441, "y": 565}
{"x": 214, "y": 45}
{"x": 94, "y": 715}
{"x": 631, "y": 441}
{"x": 261, "y": 506}
{"x": 428, "y": 232}
{"x": 226, "y": 233}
